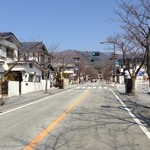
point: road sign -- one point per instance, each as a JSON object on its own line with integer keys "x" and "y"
{"x": 95, "y": 53}
{"x": 76, "y": 67}
{"x": 114, "y": 56}
{"x": 117, "y": 63}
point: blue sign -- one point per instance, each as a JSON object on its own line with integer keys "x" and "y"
{"x": 116, "y": 63}
{"x": 76, "y": 67}
{"x": 141, "y": 73}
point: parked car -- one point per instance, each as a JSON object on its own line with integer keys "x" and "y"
{"x": 93, "y": 79}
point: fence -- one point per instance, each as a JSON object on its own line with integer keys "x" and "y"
{"x": 142, "y": 86}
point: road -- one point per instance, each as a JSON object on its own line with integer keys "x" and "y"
{"x": 87, "y": 117}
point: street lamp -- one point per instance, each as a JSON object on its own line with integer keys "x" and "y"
{"x": 113, "y": 56}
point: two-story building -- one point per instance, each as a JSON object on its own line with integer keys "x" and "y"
{"x": 9, "y": 50}
{"x": 38, "y": 52}
{"x": 26, "y": 62}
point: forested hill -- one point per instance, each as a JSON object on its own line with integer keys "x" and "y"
{"x": 68, "y": 56}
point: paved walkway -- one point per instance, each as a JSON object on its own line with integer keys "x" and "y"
{"x": 141, "y": 97}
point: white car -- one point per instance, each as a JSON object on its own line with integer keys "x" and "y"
{"x": 93, "y": 79}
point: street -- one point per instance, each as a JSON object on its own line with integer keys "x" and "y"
{"x": 89, "y": 116}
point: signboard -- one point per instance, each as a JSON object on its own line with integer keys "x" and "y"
{"x": 76, "y": 67}
{"x": 141, "y": 73}
{"x": 114, "y": 56}
{"x": 116, "y": 63}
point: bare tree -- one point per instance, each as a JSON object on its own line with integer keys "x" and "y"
{"x": 135, "y": 22}
{"x": 106, "y": 69}
{"x": 134, "y": 55}
{"x": 52, "y": 49}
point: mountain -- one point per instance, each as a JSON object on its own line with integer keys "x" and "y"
{"x": 93, "y": 67}
{"x": 84, "y": 56}
{"x": 100, "y": 65}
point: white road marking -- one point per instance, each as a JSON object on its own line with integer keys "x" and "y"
{"x": 40, "y": 100}
{"x": 143, "y": 128}
{"x": 78, "y": 87}
{"x": 89, "y": 87}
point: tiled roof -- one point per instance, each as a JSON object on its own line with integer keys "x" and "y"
{"x": 31, "y": 45}
{"x": 9, "y": 34}
{"x": 2, "y": 34}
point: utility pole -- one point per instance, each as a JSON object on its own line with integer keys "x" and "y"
{"x": 46, "y": 78}
{"x": 148, "y": 56}
{"x": 113, "y": 57}
{"x": 77, "y": 68}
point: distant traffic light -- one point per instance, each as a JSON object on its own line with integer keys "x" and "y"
{"x": 95, "y": 53}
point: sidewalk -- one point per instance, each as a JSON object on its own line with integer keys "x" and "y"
{"x": 141, "y": 98}
{"x": 11, "y": 102}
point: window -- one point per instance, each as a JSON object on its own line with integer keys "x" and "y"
{"x": 37, "y": 79}
{"x": 30, "y": 65}
{"x": 9, "y": 53}
{"x": 33, "y": 54}
{"x": 31, "y": 77}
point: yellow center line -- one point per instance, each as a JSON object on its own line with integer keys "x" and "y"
{"x": 44, "y": 133}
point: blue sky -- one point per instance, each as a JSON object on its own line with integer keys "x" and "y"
{"x": 73, "y": 24}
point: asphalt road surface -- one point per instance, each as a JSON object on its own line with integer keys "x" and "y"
{"x": 87, "y": 117}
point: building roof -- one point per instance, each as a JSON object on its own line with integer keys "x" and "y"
{"x": 27, "y": 46}
{"x": 10, "y": 37}
{"x": 27, "y": 62}
{"x": 65, "y": 65}
{"x": 3, "y": 34}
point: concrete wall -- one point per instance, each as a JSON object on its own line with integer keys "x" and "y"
{"x": 13, "y": 88}
{"x": 26, "y": 87}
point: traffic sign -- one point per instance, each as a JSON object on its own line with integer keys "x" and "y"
{"x": 95, "y": 53}
{"x": 114, "y": 56}
{"x": 117, "y": 63}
